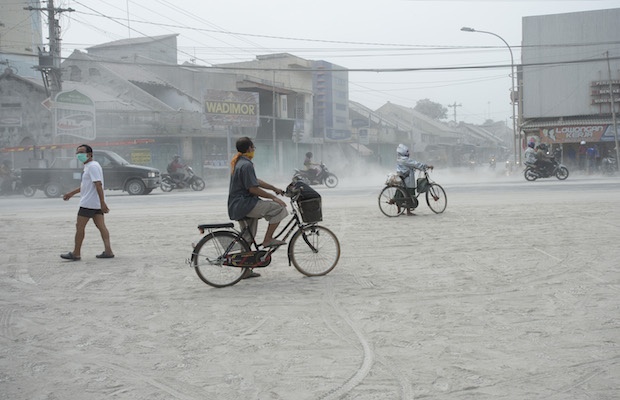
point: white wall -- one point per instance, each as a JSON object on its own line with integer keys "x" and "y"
{"x": 564, "y": 89}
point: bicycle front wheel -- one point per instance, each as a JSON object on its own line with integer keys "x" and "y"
{"x": 208, "y": 259}
{"x": 392, "y": 201}
{"x": 314, "y": 250}
{"x": 436, "y": 198}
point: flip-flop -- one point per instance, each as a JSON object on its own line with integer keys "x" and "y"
{"x": 69, "y": 256}
{"x": 275, "y": 243}
{"x": 251, "y": 274}
{"x": 105, "y": 255}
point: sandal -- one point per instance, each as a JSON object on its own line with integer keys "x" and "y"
{"x": 274, "y": 243}
{"x": 70, "y": 256}
{"x": 105, "y": 255}
{"x": 250, "y": 274}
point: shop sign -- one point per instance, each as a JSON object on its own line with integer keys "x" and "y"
{"x": 74, "y": 115}
{"x": 573, "y": 134}
{"x": 227, "y": 108}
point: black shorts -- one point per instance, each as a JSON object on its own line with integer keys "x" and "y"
{"x": 89, "y": 212}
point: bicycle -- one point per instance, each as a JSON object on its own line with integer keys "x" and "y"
{"x": 395, "y": 197}
{"x": 225, "y": 255}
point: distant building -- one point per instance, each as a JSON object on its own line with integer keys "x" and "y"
{"x": 330, "y": 85}
{"x": 156, "y": 49}
{"x": 20, "y": 37}
{"x": 570, "y": 61}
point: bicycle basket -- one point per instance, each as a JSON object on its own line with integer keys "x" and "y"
{"x": 422, "y": 185}
{"x": 310, "y": 210}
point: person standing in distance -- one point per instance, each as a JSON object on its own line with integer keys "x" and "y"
{"x": 92, "y": 204}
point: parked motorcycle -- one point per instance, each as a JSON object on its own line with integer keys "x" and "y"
{"x": 311, "y": 178}
{"x": 558, "y": 170}
{"x": 190, "y": 180}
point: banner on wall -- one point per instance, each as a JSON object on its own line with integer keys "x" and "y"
{"x": 75, "y": 115}
{"x": 575, "y": 134}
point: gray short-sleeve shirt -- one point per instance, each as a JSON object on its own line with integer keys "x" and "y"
{"x": 240, "y": 200}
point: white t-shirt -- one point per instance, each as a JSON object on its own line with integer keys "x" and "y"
{"x": 88, "y": 192}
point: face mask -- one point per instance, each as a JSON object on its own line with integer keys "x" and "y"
{"x": 82, "y": 157}
{"x": 249, "y": 155}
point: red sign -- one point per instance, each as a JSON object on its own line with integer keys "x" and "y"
{"x": 74, "y": 145}
{"x": 572, "y": 134}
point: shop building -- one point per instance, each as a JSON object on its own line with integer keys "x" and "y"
{"x": 570, "y": 82}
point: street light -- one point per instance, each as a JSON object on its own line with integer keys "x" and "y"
{"x": 513, "y": 94}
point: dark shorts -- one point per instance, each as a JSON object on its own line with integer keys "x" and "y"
{"x": 88, "y": 212}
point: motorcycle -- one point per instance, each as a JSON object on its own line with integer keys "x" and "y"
{"x": 492, "y": 163}
{"x": 189, "y": 180}
{"x": 532, "y": 172}
{"x": 13, "y": 185}
{"x": 311, "y": 178}
{"x": 608, "y": 165}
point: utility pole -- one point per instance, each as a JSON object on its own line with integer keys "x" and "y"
{"x": 613, "y": 109}
{"x": 454, "y": 106}
{"x": 49, "y": 63}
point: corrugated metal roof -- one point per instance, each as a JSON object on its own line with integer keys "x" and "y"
{"x": 132, "y": 41}
{"x": 546, "y": 123}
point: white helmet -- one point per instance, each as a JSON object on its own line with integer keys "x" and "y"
{"x": 583, "y": 142}
{"x": 402, "y": 150}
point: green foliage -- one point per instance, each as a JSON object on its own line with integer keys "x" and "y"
{"x": 431, "y": 109}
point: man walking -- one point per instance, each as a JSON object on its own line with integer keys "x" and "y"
{"x": 92, "y": 204}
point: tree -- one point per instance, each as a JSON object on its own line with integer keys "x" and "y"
{"x": 431, "y": 109}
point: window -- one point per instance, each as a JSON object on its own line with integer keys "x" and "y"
{"x": 75, "y": 74}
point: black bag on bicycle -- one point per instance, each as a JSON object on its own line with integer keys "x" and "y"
{"x": 308, "y": 200}
{"x": 422, "y": 185}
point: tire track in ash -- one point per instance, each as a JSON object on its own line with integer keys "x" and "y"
{"x": 6, "y": 324}
{"x": 405, "y": 387}
{"x": 368, "y": 359}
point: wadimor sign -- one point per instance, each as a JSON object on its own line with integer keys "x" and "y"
{"x": 226, "y": 108}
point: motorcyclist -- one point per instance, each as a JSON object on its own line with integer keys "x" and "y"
{"x": 176, "y": 169}
{"x": 530, "y": 154}
{"x": 6, "y": 177}
{"x": 311, "y": 168}
{"x": 406, "y": 168}
{"x": 542, "y": 159}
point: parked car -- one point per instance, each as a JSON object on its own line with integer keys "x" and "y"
{"x": 118, "y": 174}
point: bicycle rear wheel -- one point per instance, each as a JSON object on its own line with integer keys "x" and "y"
{"x": 314, "y": 250}
{"x": 208, "y": 259}
{"x": 392, "y": 201}
{"x": 436, "y": 198}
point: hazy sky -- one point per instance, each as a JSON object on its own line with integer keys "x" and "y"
{"x": 356, "y": 34}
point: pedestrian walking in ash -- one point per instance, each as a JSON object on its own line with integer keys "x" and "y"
{"x": 92, "y": 204}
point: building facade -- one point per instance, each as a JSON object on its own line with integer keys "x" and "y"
{"x": 20, "y": 37}
{"x": 570, "y": 81}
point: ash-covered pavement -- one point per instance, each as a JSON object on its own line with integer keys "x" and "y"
{"x": 512, "y": 293}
